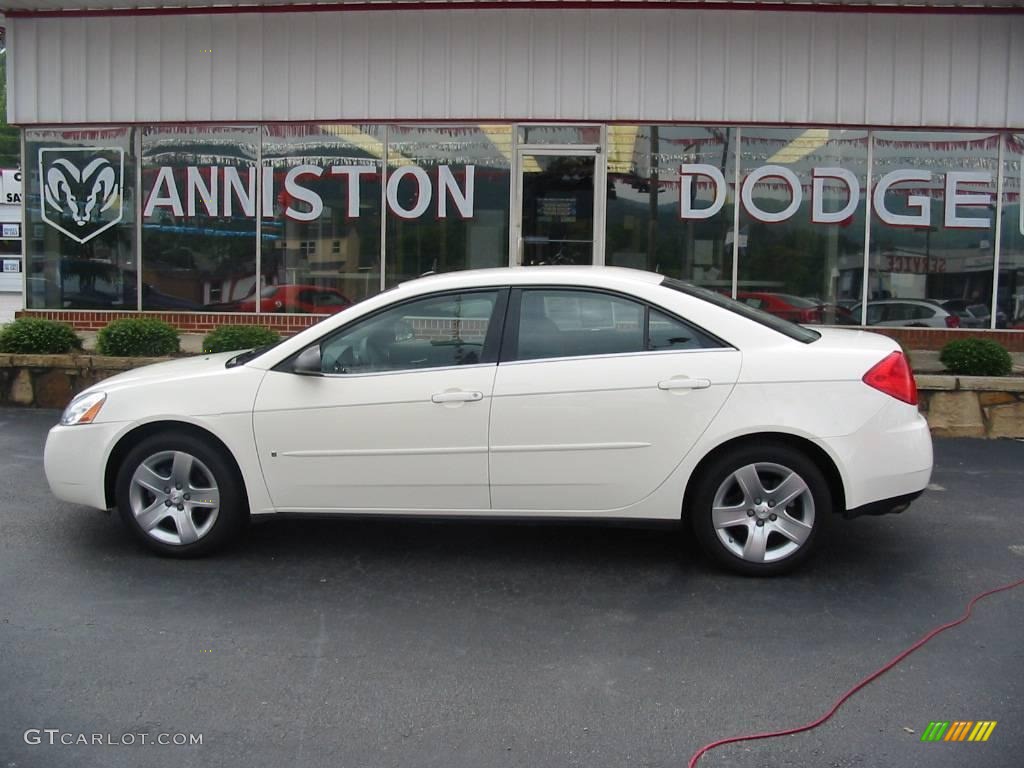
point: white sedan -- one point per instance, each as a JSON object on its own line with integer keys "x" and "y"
{"x": 544, "y": 392}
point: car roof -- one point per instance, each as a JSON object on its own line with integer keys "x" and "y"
{"x": 584, "y": 275}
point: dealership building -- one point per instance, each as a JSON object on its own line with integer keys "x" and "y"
{"x": 850, "y": 162}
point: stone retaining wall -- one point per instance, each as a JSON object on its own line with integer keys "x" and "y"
{"x": 973, "y": 406}
{"x": 50, "y": 381}
{"x": 956, "y": 406}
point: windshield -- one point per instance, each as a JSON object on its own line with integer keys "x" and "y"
{"x": 792, "y": 330}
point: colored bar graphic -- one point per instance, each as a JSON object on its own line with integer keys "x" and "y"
{"x": 958, "y": 730}
{"x": 982, "y": 730}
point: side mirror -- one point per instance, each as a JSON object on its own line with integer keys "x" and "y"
{"x": 309, "y": 362}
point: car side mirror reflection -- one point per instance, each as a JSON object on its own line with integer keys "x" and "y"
{"x": 309, "y": 362}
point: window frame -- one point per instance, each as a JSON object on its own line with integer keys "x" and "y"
{"x": 489, "y": 354}
{"x": 509, "y": 352}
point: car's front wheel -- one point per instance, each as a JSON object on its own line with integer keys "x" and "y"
{"x": 758, "y": 509}
{"x": 180, "y": 496}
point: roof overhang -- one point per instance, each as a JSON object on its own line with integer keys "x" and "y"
{"x": 160, "y": 7}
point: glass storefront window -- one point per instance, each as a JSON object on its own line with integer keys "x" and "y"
{"x": 322, "y": 215}
{"x": 448, "y": 198}
{"x": 337, "y": 212}
{"x": 670, "y": 201}
{"x": 1010, "y": 301}
{"x": 535, "y": 135}
{"x": 199, "y": 217}
{"x": 80, "y": 198}
{"x": 801, "y": 225}
{"x": 199, "y": 196}
{"x": 932, "y": 229}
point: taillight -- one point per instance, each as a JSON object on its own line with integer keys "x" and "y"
{"x": 894, "y": 377}
{"x": 952, "y": 321}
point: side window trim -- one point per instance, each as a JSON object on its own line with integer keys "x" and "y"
{"x": 489, "y": 355}
{"x": 491, "y": 351}
{"x": 510, "y": 338}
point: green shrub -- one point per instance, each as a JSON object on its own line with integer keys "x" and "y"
{"x": 36, "y": 336}
{"x": 976, "y": 357}
{"x": 228, "y": 338}
{"x": 137, "y": 337}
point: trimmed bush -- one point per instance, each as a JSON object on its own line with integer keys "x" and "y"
{"x": 137, "y": 337}
{"x": 37, "y": 336}
{"x": 976, "y": 357}
{"x": 228, "y": 338}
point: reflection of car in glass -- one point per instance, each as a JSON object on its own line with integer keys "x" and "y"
{"x": 93, "y": 284}
{"x": 535, "y": 392}
{"x": 973, "y": 315}
{"x": 909, "y": 313}
{"x": 797, "y": 309}
{"x": 303, "y": 299}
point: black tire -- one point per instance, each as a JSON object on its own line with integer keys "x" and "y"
{"x": 767, "y": 458}
{"x": 232, "y": 512}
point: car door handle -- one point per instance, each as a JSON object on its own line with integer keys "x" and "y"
{"x": 684, "y": 382}
{"x": 457, "y": 397}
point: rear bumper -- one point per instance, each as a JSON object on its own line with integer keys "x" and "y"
{"x": 884, "y": 506}
{"x": 887, "y": 462}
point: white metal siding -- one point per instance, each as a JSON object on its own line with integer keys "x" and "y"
{"x": 685, "y": 65}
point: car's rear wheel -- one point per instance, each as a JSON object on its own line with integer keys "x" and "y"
{"x": 180, "y": 496}
{"x": 758, "y": 509}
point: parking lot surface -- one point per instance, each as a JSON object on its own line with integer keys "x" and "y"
{"x": 417, "y": 644}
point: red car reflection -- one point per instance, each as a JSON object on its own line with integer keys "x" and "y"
{"x": 298, "y": 299}
{"x": 798, "y": 309}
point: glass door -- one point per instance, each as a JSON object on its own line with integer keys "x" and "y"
{"x": 558, "y": 210}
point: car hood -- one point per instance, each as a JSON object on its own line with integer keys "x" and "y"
{"x": 185, "y": 368}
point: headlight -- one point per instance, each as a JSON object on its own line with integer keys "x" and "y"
{"x": 83, "y": 409}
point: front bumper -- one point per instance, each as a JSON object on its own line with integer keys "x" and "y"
{"x": 75, "y": 461}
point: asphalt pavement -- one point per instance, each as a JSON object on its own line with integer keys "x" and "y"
{"x": 415, "y": 644}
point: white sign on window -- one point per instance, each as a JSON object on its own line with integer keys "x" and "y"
{"x": 10, "y": 186}
{"x": 12, "y": 230}
{"x": 12, "y": 265}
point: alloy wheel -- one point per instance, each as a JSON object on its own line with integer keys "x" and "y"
{"x": 763, "y": 512}
{"x": 174, "y": 497}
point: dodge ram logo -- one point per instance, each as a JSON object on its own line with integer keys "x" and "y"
{"x": 81, "y": 189}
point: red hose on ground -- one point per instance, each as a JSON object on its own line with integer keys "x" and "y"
{"x": 873, "y": 676}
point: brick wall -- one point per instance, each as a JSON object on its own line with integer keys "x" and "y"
{"x": 937, "y": 338}
{"x": 188, "y": 322}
